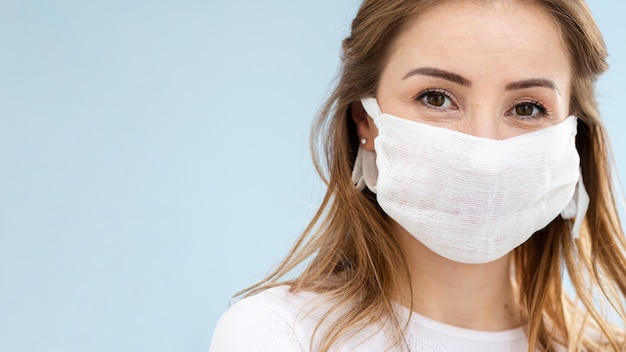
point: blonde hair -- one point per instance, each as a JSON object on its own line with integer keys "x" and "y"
{"x": 350, "y": 254}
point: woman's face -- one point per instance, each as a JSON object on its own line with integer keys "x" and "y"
{"x": 493, "y": 70}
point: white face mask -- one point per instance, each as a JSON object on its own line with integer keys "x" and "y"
{"x": 467, "y": 198}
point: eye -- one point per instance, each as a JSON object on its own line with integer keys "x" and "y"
{"x": 529, "y": 110}
{"x": 526, "y": 110}
{"x": 435, "y": 99}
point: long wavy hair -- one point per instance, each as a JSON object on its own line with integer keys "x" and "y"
{"x": 349, "y": 253}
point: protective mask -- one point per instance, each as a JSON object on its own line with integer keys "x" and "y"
{"x": 467, "y": 198}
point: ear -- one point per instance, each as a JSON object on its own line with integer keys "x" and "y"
{"x": 365, "y": 127}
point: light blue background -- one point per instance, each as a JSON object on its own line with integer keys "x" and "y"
{"x": 154, "y": 159}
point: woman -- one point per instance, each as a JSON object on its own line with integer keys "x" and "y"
{"x": 468, "y": 172}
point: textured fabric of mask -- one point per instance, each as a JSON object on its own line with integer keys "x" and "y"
{"x": 467, "y": 198}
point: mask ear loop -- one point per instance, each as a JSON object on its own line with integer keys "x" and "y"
{"x": 365, "y": 172}
{"x": 372, "y": 109}
{"x": 357, "y": 170}
{"x": 577, "y": 207}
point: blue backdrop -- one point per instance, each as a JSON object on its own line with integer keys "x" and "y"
{"x": 154, "y": 159}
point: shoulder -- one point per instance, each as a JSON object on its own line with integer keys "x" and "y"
{"x": 271, "y": 320}
{"x": 279, "y": 320}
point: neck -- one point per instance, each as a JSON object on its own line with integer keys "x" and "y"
{"x": 471, "y": 296}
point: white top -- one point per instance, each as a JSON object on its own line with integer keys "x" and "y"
{"x": 277, "y": 320}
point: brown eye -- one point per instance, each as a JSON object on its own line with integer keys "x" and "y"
{"x": 525, "y": 109}
{"x": 436, "y": 99}
{"x": 529, "y": 110}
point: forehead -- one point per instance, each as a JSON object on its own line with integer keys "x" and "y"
{"x": 474, "y": 17}
{"x": 465, "y": 33}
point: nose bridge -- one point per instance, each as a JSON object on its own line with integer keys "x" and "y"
{"x": 484, "y": 122}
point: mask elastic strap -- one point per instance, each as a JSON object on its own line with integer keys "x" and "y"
{"x": 365, "y": 172}
{"x": 357, "y": 170}
{"x": 577, "y": 207}
{"x": 373, "y": 110}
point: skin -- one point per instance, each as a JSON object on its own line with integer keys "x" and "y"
{"x": 490, "y": 69}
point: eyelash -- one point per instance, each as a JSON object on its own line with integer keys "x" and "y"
{"x": 543, "y": 111}
{"x": 423, "y": 94}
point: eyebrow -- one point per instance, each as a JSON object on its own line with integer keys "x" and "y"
{"x": 535, "y": 82}
{"x": 456, "y": 78}
{"x": 435, "y": 72}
